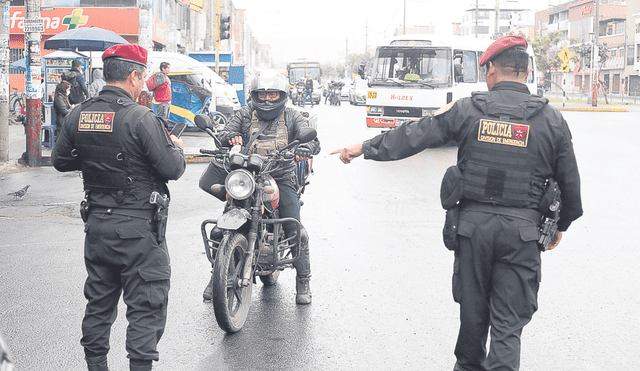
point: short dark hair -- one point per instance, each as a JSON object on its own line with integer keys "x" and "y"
{"x": 75, "y": 63}
{"x": 514, "y": 59}
{"x": 164, "y": 65}
{"x": 118, "y": 70}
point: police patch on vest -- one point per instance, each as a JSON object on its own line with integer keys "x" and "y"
{"x": 501, "y": 132}
{"x": 96, "y": 121}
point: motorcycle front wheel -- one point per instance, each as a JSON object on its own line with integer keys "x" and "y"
{"x": 231, "y": 301}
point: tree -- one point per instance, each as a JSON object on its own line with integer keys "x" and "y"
{"x": 545, "y": 48}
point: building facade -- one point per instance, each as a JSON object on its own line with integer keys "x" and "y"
{"x": 480, "y": 21}
{"x": 576, "y": 21}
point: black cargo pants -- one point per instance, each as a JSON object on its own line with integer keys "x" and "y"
{"x": 495, "y": 281}
{"x": 122, "y": 255}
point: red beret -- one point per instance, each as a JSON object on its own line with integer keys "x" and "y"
{"x": 127, "y": 52}
{"x": 500, "y": 45}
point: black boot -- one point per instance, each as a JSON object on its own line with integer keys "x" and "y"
{"x": 139, "y": 365}
{"x": 208, "y": 291}
{"x": 303, "y": 270}
{"x": 98, "y": 363}
{"x": 303, "y": 291}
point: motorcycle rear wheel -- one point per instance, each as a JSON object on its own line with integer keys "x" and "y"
{"x": 231, "y": 302}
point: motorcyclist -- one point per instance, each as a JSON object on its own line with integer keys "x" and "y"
{"x": 280, "y": 126}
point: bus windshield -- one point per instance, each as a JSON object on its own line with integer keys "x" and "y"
{"x": 426, "y": 67}
{"x": 300, "y": 73}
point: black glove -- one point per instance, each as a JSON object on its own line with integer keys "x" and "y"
{"x": 303, "y": 152}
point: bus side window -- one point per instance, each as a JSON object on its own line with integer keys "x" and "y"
{"x": 531, "y": 78}
{"x": 465, "y": 63}
{"x": 469, "y": 63}
{"x": 482, "y": 70}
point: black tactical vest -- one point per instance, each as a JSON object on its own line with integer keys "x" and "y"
{"x": 500, "y": 158}
{"x": 106, "y": 165}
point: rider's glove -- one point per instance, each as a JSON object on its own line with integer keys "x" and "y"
{"x": 303, "y": 152}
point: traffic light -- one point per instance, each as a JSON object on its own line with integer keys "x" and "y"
{"x": 225, "y": 26}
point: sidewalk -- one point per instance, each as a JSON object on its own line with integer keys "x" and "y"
{"x": 599, "y": 108}
{"x": 193, "y": 141}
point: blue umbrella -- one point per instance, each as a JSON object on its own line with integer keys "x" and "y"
{"x": 83, "y": 39}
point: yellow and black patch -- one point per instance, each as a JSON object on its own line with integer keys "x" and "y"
{"x": 96, "y": 121}
{"x": 501, "y": 132}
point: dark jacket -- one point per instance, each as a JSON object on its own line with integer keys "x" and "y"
{"x": 62, "y": 108}
{"x": 241, "y": 123}
{"x": 74, "y": 97}
{"x": 146, "y": 144}
{"x": 308, "y": 84}
{"x": 549, "y": 133}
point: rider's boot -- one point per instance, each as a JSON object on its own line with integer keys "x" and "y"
{"x": 98, "y": 363}
{"x": 140, "y": 365}
{"x": 303, "y": 270}
{"x": 208, "y": 291}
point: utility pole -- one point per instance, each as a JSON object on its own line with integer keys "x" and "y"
{"x": 4, "y": 80}
{"x": 496, "y": 24}
{"x": 476, "y": 17}
{"x": 404, "y": 20}
{"x": 596, "y": 56}
{"x": 33, "y": 26}
{"x": 217, "y": 36}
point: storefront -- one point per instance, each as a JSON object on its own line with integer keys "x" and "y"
{"x": 123, "y": 21}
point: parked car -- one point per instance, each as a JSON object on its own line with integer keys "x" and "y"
{"x": 358, "y": 91}
{"x": 344, "y": 93}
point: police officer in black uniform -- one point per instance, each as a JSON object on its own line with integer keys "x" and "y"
{"x": 264, "y": 125}
{"x": 514, "y": 151}
{"x": 126, "y": 158}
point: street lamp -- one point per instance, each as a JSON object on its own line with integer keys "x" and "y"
{"x": 592, "y": 36}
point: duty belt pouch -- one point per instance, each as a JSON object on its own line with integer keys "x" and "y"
{"x": 451, "y": 191}
{"x": 450, "y": 230}
{"x": 550, "y": 200}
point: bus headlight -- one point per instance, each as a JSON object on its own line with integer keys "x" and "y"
{"x": 373, "y": 110}
{"x": 240, "y": 184}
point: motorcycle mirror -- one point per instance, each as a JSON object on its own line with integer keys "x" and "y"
{"x": 306, "y": 135}
{"x": 203, "y": 122}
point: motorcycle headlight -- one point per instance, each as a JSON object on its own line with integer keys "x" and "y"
{"x": 240, "y": 184}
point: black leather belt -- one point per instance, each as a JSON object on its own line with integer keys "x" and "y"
{"x": 531, "y": 215}
{"x": 135, "y": 213}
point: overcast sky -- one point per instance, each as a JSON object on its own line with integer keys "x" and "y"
{"x": 323, "y": 30}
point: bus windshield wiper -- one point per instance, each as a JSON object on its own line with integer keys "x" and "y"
{"x": 423, "y": 83}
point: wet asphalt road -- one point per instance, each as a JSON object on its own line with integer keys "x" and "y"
{"x": 381, "y": 276}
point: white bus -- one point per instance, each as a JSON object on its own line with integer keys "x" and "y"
{"x": 414, "y": 75}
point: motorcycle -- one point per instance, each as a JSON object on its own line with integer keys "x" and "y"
{"x": 334, "y": 93}
{"x": 300, "y": 89}
{"x": 248, "y": 240}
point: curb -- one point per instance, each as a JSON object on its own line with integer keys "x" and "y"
{"x": 592, "y": 109}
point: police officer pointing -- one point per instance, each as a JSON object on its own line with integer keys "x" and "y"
{"x": 516, "y": 168}
{"x": 126, "y": 158}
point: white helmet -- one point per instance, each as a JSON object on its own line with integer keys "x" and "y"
{"x": 269, "y": 81}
